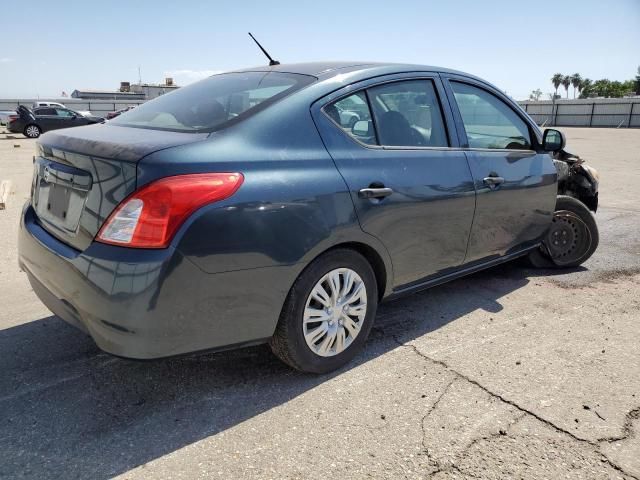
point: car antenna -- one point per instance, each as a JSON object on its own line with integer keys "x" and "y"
{"x": 272, "y": 62}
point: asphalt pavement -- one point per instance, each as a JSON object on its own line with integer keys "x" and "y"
{"x": 508, "y": 373}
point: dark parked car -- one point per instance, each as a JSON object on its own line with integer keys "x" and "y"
{"x": 111, "y": 115}
{"x": 33, "y": 123}
{"x": 241, "y": 210}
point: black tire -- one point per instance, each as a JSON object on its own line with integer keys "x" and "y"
{"x": 574, "y": 216}
{"x": 32, "y": 131}
{"x": 288, "y": 342}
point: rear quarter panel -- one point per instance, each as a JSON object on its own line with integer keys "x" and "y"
{"x": 292, "y": 206}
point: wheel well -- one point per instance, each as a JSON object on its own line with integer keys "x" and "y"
{"x": 374, "y": 259}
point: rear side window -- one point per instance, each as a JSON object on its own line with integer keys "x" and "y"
{"x": 353, "y": 115}
{"x": 408, "y": 114}
{"x": 215, "y": 102}
{"x": 405, "y": 114}
{"x": 488, "y": 121}
{"x": 45, "y": 111}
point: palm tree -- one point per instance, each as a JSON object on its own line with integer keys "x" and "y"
{"x": 557, "y": 80}
{"x": 566, "y": 81}
{"x": 576, "y": 80}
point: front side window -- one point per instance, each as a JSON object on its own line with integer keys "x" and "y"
{"x": 407, "y": 113}
{"x": 215, "y": 102}
{"x": 488, "y": 121}
{"x": 353, "y": 115}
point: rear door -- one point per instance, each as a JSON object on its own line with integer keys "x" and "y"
{"x": 515, "y": 181}
{"x": 411, "y": 186}
{"x": 47, "y": 118}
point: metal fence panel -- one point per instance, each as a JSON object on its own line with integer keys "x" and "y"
{"x": 98, "y": 107}
{"x": 600, "y": 112}
{"x": 568, "y": 120}
{"x": 579, "y": 109}
{"x": 540, "y": 109}
{"x": 609, "y": 121}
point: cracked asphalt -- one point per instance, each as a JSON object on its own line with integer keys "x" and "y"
{"x": 509, "y": 373}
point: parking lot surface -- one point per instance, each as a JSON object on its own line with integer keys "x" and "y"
{"x": 509, "y": 373}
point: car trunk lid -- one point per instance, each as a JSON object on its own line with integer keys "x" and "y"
{"x": 81, "y": 174}
{"x": 26, "y": 114}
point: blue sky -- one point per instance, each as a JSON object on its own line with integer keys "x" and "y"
{"x": 48, "y": 47}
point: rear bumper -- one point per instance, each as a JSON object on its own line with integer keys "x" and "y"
{"x": 148, "y": 304}
{"x": 15, "y": 127}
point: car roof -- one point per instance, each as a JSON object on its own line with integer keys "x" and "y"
{"x": 328, "y": 69}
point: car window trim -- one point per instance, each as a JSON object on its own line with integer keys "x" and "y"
{"x": 430, "y": 76}
{"x": 447, "y": 79}
{"x": 374, "y": 122}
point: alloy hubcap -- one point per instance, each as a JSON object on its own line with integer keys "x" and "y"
{"x": 334, "y": 312}
{"x": 32, "y": 131}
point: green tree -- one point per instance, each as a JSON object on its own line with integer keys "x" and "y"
{"x": 556, "y": 80}
{"x": 566, "y": 81}
{"x": 637, "y": 83}
{"x": 628, "y": 87}
{"x": 585, "y": 87}
{"x": 606, "y": 88}
{"x": 535, "y": 94}
{"x": 576, "y": 80}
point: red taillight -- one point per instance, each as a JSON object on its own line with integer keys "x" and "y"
{"x": 11, "y": 118}
{"x": 150, "y": 216}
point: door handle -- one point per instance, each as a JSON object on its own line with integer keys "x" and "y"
{"x": 377, "y": 192}
{"x": 493, "y": 181}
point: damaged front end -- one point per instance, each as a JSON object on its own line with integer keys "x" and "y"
{"x": 576, "y": 179}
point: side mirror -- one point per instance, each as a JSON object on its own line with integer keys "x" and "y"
{"x": 361, "y": 128}
{"x": 553, "y": 140}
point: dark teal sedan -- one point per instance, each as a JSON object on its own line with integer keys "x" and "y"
{"x": 281, "y": 204}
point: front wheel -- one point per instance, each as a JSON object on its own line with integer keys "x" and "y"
{"x": 571, "y": 239}
{"x": 328, "y": 314}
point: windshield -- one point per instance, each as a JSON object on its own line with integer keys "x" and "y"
{"x": 215, "y": 102}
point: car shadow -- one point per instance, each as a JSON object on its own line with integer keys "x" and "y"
{"x": 67, "y": 410}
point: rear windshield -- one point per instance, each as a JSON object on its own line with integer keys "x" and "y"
{"x": 213, "y": 103}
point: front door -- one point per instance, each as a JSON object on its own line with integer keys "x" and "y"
{"x": 47, "y": 118}
{"x": 66, "y": 118}
{"x": 411, "y": 190}
{"x": 515, "y": 180}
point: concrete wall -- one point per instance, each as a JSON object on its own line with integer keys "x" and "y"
{"x": 96, "y": 107}
{"x": 591, "y": 112}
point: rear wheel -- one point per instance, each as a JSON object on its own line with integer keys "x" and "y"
{"x": 328, "y": 314}
{"x": 32, "y": 131}
{"x": 572, "y": 237}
